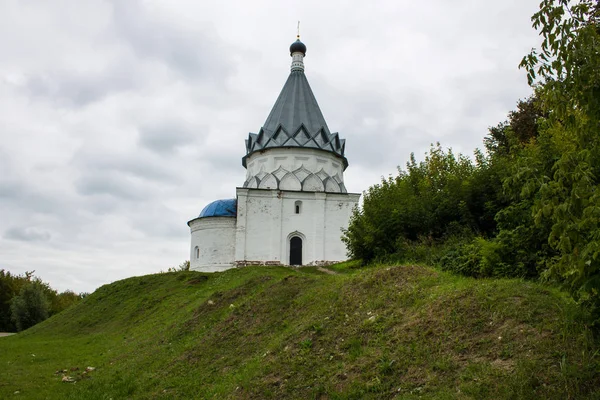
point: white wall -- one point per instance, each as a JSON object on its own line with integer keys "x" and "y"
{"x": 215, "y": 239}
{"x": 295, "y": 169}
{"x": 338, "y": 211}
{"x": 266, "y": 221}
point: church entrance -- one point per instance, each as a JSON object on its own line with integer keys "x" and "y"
{"x": 295, "y": 251}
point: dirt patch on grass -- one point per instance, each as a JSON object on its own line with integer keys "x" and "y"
{"x": 504, "y": 365}
{"x": 197, "y": 280}
{"x": 399, "y": 276}
{"x": 220, "y": 299}
{"x": 327, "y": 271}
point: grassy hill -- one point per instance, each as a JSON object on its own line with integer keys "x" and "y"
{"x": 265, "y": 332}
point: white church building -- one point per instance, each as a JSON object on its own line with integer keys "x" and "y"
{"x": 293, "y": 205}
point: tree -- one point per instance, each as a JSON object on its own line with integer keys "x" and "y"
{"x": 566, "y": 72}
{"x": 520, "y": 129}
{"x": 10, "y": 286}
{"x": 444, "y": 195}
{"x": 30, "y": 307}
{"x": 62, "y": 301}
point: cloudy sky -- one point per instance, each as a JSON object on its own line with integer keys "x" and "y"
{"x": 121, "y": 119}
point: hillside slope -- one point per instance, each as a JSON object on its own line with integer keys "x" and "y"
{"x": 264, "y": 332}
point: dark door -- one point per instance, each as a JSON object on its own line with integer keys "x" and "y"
{"x": 295, "y": 251}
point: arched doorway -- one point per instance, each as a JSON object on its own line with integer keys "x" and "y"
{"x": 295, "y": 251}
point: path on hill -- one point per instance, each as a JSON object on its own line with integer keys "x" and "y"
{"x": 3, "y": 334}
{"x": 327, "y": 271}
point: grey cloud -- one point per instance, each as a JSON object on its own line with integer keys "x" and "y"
{"x": 163, "y": 224}
{"x": 21, "y": 196}
{"x": 134, "y": 164}
{"x": 166, "y": 138}
{"x": 29, "y": 234}
{"x": 11, "y": 190}
{"x": 391, "y": 148}
{"x": 110, "y": 184}
{"x": 6, "y": 163}
{"x": 194, "y": 54}
{"x": 374, "y": 139}
{"x": 76, "y": 89}
{"x": 225, "y": 161}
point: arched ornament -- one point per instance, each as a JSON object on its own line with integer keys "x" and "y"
{"x": 290, "y": 182}
{"x": 268, "y": 182}
{"x": 332, "y": 186}
{"x": 251, "y": 183}
{"x": 312, "y": 183}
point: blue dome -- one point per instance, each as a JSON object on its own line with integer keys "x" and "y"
{"x": 220, "y": 208}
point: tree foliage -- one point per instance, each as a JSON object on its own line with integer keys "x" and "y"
{"x": 30, "y": 307}
{"x": 11, "y": 286}
{"x": 446, "y": 194}
{"x": 568, "y": 68}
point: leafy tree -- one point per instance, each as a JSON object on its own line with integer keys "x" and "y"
{"x": 520, "y": 129}
{"x": 444, "y": 195}
{"x": 568, "y": 69}
{"x": 30, "y": 307}
{"x": 10, "y": 286}
{"x": 64, "y": 300}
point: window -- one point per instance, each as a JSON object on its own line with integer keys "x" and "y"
{"x": 197, "y": 252}
{"x": 297, "y": 207}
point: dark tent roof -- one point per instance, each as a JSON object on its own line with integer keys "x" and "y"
{"x": 296, "y": 121}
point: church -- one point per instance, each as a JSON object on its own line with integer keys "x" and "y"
{"x": 293, "y": 204}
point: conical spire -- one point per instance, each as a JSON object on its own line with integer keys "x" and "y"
{"x": 296, "y": 119}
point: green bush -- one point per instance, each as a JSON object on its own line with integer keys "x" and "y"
{"x": 30, "y": 307}
{"x": 464, "y": 259}
{"x": 442, "y": 196}
{"x": 482, "y": 258}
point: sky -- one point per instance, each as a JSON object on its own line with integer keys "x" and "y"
{"x": 120, "y": 120}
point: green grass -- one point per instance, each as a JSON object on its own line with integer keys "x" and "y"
{"x": 269, "y": 333}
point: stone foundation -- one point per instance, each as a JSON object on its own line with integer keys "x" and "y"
{"x": 246, "y": 263}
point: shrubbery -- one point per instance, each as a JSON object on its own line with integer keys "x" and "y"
{"x": 442, "y": 196}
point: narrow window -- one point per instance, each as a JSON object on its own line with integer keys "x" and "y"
{"x": 197, "y": 252}
{"x": 298, "y": 205}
